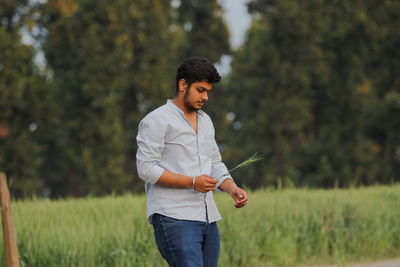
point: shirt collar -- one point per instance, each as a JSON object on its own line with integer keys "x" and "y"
{"x": 172, "y": 105}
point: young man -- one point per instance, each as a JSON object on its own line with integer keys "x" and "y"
{"x": 180, "y": 162}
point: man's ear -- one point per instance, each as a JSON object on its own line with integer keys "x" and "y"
{"x": 182, "y": 85}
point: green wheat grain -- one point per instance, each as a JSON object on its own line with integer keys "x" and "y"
{"x": 254, "y": 158}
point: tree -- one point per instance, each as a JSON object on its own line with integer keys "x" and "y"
{"x": 206, "y": 33}
{"x": 304, "y": 87}
{"x": 111, "y": 64}
{"x": 383, "y": 75}
{"x": 26, "y": 105}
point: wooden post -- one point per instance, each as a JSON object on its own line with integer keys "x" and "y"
{"x": 279, "y": 183}
{"x": 10, "y": 243}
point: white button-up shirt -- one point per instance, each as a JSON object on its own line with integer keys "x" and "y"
{"x": 167, "y": 141}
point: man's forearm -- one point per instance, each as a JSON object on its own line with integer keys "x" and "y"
{"x": 228, "y": 186}
{"x": 175, "y": 180}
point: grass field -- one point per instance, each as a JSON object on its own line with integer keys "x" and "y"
{"x": 276, "y": 228}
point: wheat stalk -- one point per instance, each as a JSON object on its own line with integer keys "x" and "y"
{"x": 254, "y": 158}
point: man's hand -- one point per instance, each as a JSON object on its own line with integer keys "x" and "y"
{"x": 205, "y": 183}
{"x": 240, "y": 197}
{"x": 237, "y": 193}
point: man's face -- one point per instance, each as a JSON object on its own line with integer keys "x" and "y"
{"x": 196, "y": 95}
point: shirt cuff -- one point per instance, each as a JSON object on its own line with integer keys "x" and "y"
{"x": 154, "y": 174}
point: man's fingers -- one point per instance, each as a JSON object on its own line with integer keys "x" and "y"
{"x": 206, "y": 188}
{"x": 212, "y": 180}
{"x": 240, "y": 205}
{"x": 205, "y": 183}
{"x": 240, "y": 199}
{"x": 207, "y": 179}
{"x": 210, "y": 187}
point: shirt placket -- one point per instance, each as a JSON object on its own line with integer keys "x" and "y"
{"x": 198, "y": 156}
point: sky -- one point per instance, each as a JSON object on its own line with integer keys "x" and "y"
{"x": 237, "y": 18}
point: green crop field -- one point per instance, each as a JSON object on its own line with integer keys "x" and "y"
{"x": 276, "y": 228}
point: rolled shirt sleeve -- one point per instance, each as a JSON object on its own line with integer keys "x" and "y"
{"x": 218, "y": 169}
{"x": 150, "y": 147}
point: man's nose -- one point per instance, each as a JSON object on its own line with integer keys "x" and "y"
{"x": 205, "y": 95}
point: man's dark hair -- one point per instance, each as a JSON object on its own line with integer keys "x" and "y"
{"x": 197, "y": 69}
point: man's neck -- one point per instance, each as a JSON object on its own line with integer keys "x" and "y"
{"x": 178, "y": 101}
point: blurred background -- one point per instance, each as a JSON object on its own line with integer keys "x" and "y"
{"x": 313, "y": 85}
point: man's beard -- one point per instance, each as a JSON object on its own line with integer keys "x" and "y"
{"x": 186, "y": 102}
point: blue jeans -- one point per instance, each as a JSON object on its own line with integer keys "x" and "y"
{"x": 186, "y": 243}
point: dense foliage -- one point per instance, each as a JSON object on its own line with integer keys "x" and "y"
{"x": 315, "y": 88}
